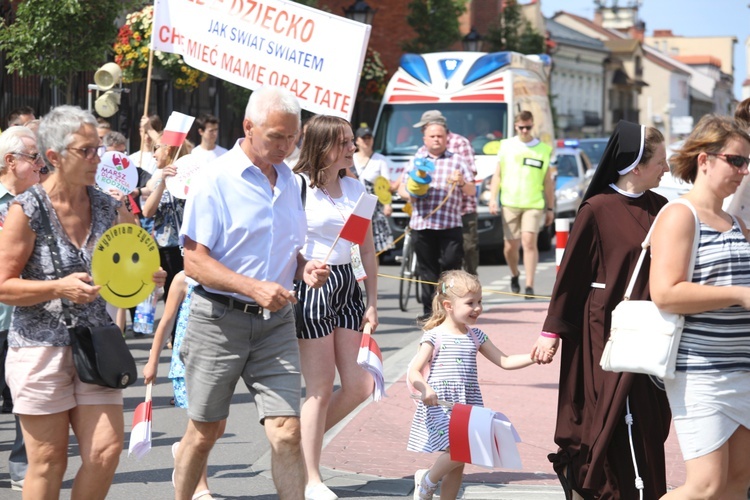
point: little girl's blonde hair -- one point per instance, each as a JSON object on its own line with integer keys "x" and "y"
{"x": 451, "y": 285}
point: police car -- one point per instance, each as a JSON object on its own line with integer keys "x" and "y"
{"x": 572, "y": 171}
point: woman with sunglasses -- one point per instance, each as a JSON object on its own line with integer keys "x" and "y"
{"x": 710, "y": 393}
{"x": 48, "y": 395}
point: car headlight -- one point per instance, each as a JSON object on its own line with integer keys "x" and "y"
{"x": 566, "y": 194}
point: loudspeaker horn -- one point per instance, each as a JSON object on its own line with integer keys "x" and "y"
{"x": 107, "y": 76}
{"x": 107, "y": 104}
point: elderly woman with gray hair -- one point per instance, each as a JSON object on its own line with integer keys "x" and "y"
{"x": 48, "y": 395}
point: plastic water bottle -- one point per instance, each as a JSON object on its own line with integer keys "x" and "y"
{"x": 144, "y": 314}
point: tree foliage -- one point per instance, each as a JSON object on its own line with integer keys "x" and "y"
{"x": 56, "y": 39}
{"x": 435, "y": 23}
{"x": 511, "y": 31}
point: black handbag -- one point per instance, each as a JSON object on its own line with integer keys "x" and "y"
{"x": 100, "y": 353}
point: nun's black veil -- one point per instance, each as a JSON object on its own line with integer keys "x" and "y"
{"x": 624, "y": 150}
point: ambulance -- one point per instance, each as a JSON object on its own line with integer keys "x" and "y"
{"x": 479, "y": 94}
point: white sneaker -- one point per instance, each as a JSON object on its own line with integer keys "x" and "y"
{"x": 421, "y": 490}
{"x": 319, "y": 492}
{"x": 16, "y": 485}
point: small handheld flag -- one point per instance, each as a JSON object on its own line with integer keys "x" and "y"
{"x": 356, "y": 226}
{"x": 177, "y": 129}
{"x": 140, "y": 433}
{"x": 481, "y": 436}
{"x": 370, "y": 358}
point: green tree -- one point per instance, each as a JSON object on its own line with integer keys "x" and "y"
{"x": 436, "y": 25}
{"x": 56, "y": 39}
{"x": 511, "y": 31}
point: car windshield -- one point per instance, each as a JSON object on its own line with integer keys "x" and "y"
{"x": 481, "y": 123}
{"x": 566, "y": 166}
{"x": 594, "y": 149}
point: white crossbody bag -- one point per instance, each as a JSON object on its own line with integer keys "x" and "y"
{"x": 643, "y": 339}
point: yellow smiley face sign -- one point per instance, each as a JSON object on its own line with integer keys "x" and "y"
{"x": 382, "y": 189}
{"x": 125, "y": 259}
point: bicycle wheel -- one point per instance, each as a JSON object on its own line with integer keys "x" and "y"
{"x": 407, "y": 266}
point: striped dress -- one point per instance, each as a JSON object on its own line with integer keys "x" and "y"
{"x": 718, "y": 340}
{"x": 453, "y": 377}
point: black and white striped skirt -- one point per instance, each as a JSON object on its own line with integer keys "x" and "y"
{"x": 337, "y": 304}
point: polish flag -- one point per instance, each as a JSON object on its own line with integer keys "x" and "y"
{"x": 140, "y": 433}
{"x": 177, "y": 129}
{"x": 484, "y": 437}
{"x": 370, "y": 358}
{"x": 355, "y": 227}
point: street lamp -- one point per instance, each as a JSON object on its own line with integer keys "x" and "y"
{"x": 361, "y": 12}
{"x": 472, "y": 42}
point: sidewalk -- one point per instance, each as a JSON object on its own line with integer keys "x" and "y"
{"x": 368, "y": 453}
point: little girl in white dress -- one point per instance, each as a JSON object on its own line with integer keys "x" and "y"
{"x": 452, "y": 376}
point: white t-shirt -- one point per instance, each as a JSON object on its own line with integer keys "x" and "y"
{"x": 206, "y": 154}
{"x": 376, "y": 167}
{"x": 149, "y": 162}
{"x": 324, "y": 221}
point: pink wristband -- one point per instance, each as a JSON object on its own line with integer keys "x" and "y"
{"x": 549, "y": 335}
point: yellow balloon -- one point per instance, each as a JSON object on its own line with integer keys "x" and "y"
{"x": 491, "y": 148}
{"x": 124, "y": 261}
{"x": 382, "y": 189}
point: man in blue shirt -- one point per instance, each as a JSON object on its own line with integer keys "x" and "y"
{"x": 243, "y": 228}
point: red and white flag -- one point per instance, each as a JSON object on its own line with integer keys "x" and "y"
{"x": 370, "y": 358}
{"x": 177, "y": 129}
{"x": 140, "y": 433}
{"x": 484, "y": 437}
{"x": 355, "y": 227}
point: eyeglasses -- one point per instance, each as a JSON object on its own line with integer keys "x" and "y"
{"x": 737, "y": 161}
{"x": 88, "y": 153}
{"x": 34, "y": 157}
{"x": 525, "y": 127}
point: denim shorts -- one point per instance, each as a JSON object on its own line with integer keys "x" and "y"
{"x": 223, "y": 344}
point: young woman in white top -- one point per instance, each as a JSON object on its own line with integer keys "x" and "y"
{"x": 334, "y": 314}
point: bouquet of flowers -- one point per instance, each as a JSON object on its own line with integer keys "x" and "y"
{"x": 372, "y": 83}
{"x": 131, "y": 53}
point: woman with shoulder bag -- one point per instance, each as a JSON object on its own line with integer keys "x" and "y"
{"x": 594, "y": 457}
{"x": 48, "y": 395}
{"x": 710, "y": 392}
{"x": 334, "y": 314}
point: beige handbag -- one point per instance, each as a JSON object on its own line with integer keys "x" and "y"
{"x": 643, "y": 339}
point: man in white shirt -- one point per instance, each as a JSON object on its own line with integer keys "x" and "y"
{"x": 208, "y": 129}
{"x": 242, "y": 233}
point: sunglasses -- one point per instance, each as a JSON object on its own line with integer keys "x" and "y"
{"x": 525, "y": 127}
{"x": 34, "y": 157}
{"x": 736, "y": 161}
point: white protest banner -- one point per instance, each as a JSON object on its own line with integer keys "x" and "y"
{"x": 116, "y": 171}
{"x": 187, "y": 168}
{"x": 316, "y": 55}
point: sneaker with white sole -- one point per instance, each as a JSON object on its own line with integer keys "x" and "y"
{"x": 16, "y": 485}
{"x": 421, "y": 490}
{"x": 319, "y": 492}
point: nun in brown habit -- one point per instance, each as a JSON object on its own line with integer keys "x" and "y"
{"x": 594, "y": 456}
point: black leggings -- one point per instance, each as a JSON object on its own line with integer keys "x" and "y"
{"x": 172, "y": 263}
